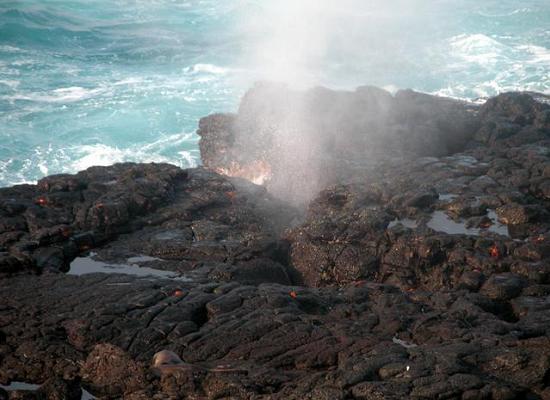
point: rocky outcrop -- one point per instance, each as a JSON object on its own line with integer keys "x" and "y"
{"x": 480, "y": 210}
{"x": 425, "y": 276}
{"x": 297, "y": 143}
{"x": 192, "y": 216}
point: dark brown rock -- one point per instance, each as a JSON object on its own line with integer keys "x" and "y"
{"x": 110, "y": 371}
{"x": 515, "y": 214}
{"x": 59, "y": 389}
{"x": 503, "y": 286}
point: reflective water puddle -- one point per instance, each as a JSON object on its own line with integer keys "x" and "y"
{"x": 404, "y": 344}
{"x": 33, "y": 387}
{"x": 447, "y": 197}
{"x": 20, "y": 386}
{"x": 406, "y": 222}
{"x": 87, "y": 265}
{"x": 441, "y": 222}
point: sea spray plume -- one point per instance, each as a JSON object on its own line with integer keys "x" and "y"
{"x": 293, "y": 138}
{"x": 294, "y": 40}
{"x": 341, "y": 43}
{"x": 301, "y": 134}
{"x": 296, "y": 142}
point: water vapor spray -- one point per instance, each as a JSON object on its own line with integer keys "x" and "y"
{"x": 341, "y": 43}
{"x": 308, "y": 43}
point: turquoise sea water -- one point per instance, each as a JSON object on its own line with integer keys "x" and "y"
{"x": 92, "y": 82}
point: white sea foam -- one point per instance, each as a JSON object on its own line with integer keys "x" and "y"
{"x": 477, "y": 48}
{"x": 22, "y": 63}
{"x": 508, "y": 14}
{"x": 539, "y": 54}
{"x": 458, "y": 92}
{"x": 391, "y": 88}
{"x": 43, "y": 168}
{"x": 494, "y": 65}
{"x": 71, "y": 159}
{"x": 10, "y": 49}
{"x": 61, "y": 95}
{"x": 129, "y": 81}
{"x": 206, "y": 68}
{"x": 188, "y": 157}
{"x": 12, "y": 84}
{"x": 73, "y": 93}
{"x": 101, "y": 154}
{"x": 13, "y": 177}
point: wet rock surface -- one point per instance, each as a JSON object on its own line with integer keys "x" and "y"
{"x": 140, "y": 214}
{"x": 425, "y": 276}
{"x": 324, "y": 136}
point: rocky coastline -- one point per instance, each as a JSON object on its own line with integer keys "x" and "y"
{"x": 335, "y": 245}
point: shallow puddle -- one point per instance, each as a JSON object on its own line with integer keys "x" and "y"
{"x": 404, "y": 344}
{"x": 441, "y": 222}
{"x": 497, "y": 227}
{"x": 406, "y": 222}
{"x": 87, "y": 265}
{"x": 87, "y": 395}
{"x": 140, "y": 259}
{"x": 20, "y": 386}
{"x": 174, "y": 234}
{"x": 447, "y": 197}
{"x": 463, "y": 161}
{"x": 33, "y": 387}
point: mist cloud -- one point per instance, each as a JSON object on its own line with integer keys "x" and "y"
{"x": 338, "y": 43}
{"x": 296, "y": 141}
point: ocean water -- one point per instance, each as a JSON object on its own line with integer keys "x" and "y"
{"x": 87, "y": 82}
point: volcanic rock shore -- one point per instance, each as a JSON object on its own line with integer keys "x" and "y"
{"x": 408, "y": 257}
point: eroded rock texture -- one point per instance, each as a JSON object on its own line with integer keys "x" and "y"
{"x": 191, "y": 217}
{"x": 425, "y": 276}
{"x": 298, "y": 142}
